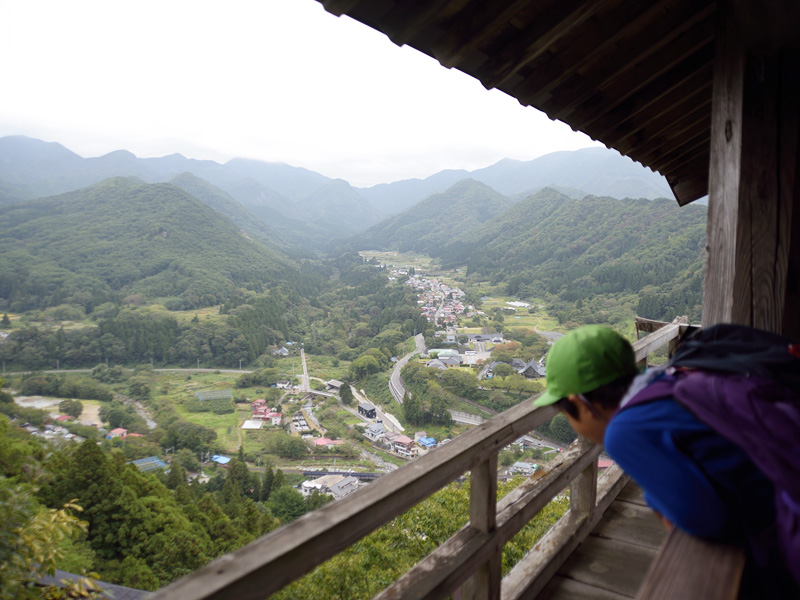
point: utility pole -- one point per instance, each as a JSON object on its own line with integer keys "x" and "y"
{"x": 57, "y": 368}
{"x": 198, "y": 363}
{"x": 240, "y": 364}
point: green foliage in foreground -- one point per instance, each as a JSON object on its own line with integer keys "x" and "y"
{"x": 371, "y": 564}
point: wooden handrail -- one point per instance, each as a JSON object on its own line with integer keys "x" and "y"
{"x": 269, "y": 563}
{"x": 688, "y": 567}
{"x": 472, "y": 557}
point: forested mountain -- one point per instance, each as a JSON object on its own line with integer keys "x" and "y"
{"x": 550, "y": 244}
{"x": 595, "y": 171}
{"x": 223, "y": 203}
{"x": 429, "y": 225}
{"x": 122, "y": 237}
{"x": 311, "y": 208}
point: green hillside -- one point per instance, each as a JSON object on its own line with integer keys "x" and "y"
{"x": 429, "y": 225}
{"x": 122, "y": 237}
{"x": 550, "y": 245}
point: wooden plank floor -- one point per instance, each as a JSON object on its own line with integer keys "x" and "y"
{"x": 612, "y": 562}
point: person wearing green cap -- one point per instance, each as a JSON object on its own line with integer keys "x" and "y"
{"x": 693, "y": 477}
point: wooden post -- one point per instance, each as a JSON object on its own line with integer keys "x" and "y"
{"x": 485, "y": 583}
{"x": 754, "y": 192}
{"x": 583, "y": 491}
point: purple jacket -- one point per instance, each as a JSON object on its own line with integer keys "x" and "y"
{"x": 759, "y": 416}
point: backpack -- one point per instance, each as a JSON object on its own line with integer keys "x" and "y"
{"x": 745, "y": 385}
{"x": 729, "y": 348}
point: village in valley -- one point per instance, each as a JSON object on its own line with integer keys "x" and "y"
{"x": 349, "y": 440}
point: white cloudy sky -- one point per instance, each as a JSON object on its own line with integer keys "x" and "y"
{"x": 276, "y": 80}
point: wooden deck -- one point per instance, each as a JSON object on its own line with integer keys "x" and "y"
{"x": 611, "y": 564}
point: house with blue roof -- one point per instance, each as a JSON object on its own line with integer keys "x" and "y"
{"x": 427, "y": 442}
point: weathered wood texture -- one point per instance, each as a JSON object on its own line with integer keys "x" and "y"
{"x": 753, "y": 178}
{"x": 688, "y": 567}
{"x": 485, "y": 583}
{"x": 614, "y": 559}
{"x": 631, "y": 523}
{"x": 566, "y": 588}
{"x": 532, "y": 573}
{"x": 610, "y": 564}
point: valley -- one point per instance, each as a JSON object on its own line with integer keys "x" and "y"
{"x": 234, "y": 327}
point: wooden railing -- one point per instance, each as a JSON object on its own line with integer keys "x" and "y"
{"x": 471, "y": 559}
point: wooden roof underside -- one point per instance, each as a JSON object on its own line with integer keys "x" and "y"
{"x": 633, "y": 74}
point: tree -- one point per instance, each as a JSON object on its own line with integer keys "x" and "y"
{"x": 30, "y": 539}
{"x": 316, "y": 500}
{"x": 504, "y": 370}
{"x": 6, "y": 322}
{"x": 266, "y": 485}
{"x": 287, "y": 504}
{"x": 363, "y": 366}
{"x": 560, "y": 430}
{"x": 346, "y": 394}
{"x": 70, "y": 407}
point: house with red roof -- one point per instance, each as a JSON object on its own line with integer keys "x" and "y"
{"x": 274, "y": 417}
{"x": 63, "y": 418}
{"x": 404, "y": 446}
{"x": 119, "y": 432}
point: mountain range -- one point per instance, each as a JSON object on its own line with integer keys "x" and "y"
{"x": 307, "y": 209}
{"x": 190, "y": 233}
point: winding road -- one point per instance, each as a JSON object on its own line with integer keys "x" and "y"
{"x": 396, "y": 386}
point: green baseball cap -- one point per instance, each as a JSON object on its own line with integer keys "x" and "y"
{"x": 585, "y": 359}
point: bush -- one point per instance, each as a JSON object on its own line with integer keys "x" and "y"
{"x": 73, "y": 408}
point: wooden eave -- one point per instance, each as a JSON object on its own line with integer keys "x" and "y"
{"x": 633, "y": 74}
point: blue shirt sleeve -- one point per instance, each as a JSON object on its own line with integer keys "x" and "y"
{"x": 646, "y": 441}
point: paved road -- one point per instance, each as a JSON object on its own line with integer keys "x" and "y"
{"x": 305, "y": 385}
{"x": 396, "y": 386}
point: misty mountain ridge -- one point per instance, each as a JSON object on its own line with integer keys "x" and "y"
{"x": 312, "y": 202}
{"x": 429, "y": 224}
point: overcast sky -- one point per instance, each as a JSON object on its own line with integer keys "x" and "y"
{"x": 275, "y": 80}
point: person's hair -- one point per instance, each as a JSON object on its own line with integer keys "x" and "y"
{"x": 606, "y": 396}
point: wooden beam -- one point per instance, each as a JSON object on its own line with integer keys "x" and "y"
{"x": 475, "y": 24}
{"x": 485, "y": 583}
{"x": 408, "y": 18}
{"x": 689, "y": 147}
{"x": 657, "y": 97}
{"x": 655, "y": 340}
{"x": 753, "y": 176}
{"x": 693, "y": 107}
{"x": 673, "y": 140}
{"x": 788, "y": 268}
{"x": 587, "y": 95}
{"x": 550, "y": 25}
{"x": 688, "y": 186}
{"x": 583, "y": 491}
